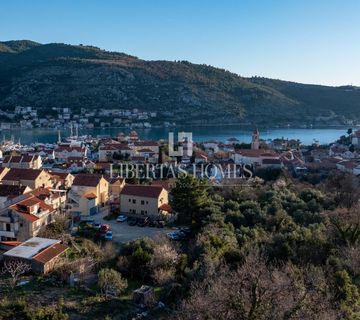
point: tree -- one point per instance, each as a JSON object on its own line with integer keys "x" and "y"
{"x": 347, "y": 225}
{"x": 189, "y": 195}
{"x": 136, "y": 257}
{"x": 348, "y": 294}
{"x": 54, "y": 230}
{"x": 345, "y": 188}
{"x": 259, "y": 291}
{"x": 163, "y": 262}
{"x": 111, "y": 282}
{"x": 15, "y": 268}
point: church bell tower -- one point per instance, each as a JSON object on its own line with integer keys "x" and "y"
{"x": 255, "y": 142}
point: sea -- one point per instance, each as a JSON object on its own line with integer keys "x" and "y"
{"x": 202, "y": 133}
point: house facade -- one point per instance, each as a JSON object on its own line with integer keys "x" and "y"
{"x": 23, "y": 162}
{"x": 65, "y": 151}
{"x": 24, "y": 217}
{"x": 41, "y": 254}
{"x": 89, "y": 192}
{"x": 33, "y": 178}
{"x": 143, "y": 200}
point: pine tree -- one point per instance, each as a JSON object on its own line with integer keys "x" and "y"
{"x": 188, "y": 196}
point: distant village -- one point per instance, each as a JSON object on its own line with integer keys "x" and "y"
{"x": 27, "y": 117}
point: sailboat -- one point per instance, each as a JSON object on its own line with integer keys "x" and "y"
{"x": 76, "y": 139}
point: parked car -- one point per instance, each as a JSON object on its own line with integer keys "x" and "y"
{"x": 132, "y": 221}
{"x": 161, "y": 224}
{"x": 108, "y": 235}
{"x": 121, "y": 218}
{"x": 142, "y": 222}
{"x": 104, "y": 228}
{"x": 186, "y": 230}
{"x": 173, "y": 236}
{"x": 176, "y": 235}
{"x": 96, "y": 225}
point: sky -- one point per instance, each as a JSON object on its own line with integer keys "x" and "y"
{"x": 315, "y": 41}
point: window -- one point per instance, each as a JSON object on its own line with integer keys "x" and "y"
{"x": 8, "y": 227}
{"x": 134, "y": 201}
{"x": 129, "y": 200}
{"x": 142, "y": 202}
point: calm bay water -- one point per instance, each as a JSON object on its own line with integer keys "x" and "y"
{"x": 307, "y": 136}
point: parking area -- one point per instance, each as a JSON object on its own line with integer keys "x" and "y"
{"x": 122, "y": 232}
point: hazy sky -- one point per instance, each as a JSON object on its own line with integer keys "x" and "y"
{"x": 311, "y": 41}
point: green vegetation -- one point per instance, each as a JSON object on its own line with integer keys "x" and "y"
{"x": 277, "y": 249}
{"x": 189, "y": 195}
{"x": 57, "y": 75}
{"x": 111, "y": 282}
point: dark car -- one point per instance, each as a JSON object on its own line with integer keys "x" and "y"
{"x": 160, "y": 224}
{"x": 132, "y": 221}
{"x": 96, "y": 225}
{"x": 142, "y": 222}
{"x": 152, "y": 223}
{"x": 176, "y": 235}
{"x": 186, "y": 230}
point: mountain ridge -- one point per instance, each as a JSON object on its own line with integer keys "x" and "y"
{"x": 62, "y": 75}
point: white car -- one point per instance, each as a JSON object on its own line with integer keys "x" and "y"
{"x": 121, "y": 218}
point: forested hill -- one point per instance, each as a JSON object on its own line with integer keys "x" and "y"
{"x": 60, "y": 75}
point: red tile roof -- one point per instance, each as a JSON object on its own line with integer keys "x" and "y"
{"x": 256, "y": 153}
{"x": 61, "y": 175}
{"x": 113, "y": 146}
{"x": 22, "y": 174}
{"x": 50, "y": 253}
{"x": 88, "y": 180}
{"x": 166, "y": 207}
{"x": 146, "y": 150}
{"x": 28, "y": 216}
{"x": 22, "y": 207}
{"x": 103, "y": 165}
{"x": 11, "y": 191}
{"x": 90, "y": 196}
{"x": 26, "y": 158}
{"x": 142, "y": 191}
{"x": 271, "y": 161}
{"x": 147, "y": 143}
{"x": 10, "y": 243}
{"x": 69, "y": 148}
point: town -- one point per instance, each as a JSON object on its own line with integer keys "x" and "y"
{"x": 55, "y": 197}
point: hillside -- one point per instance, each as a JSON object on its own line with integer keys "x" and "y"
{"x": 59, "y": 75}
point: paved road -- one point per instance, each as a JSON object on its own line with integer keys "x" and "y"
{"x": 122, "y": 232}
